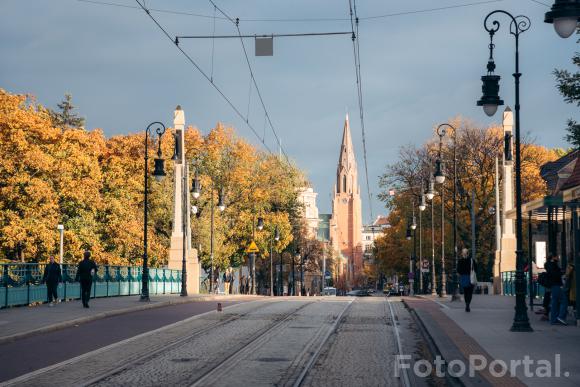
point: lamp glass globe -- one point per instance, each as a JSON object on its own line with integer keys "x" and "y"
{"x": 159, "y": 178}
{"x": 440, "y": 179}
{"x": 222, "y": 207}
{"x": 422, "y": 207}
{"x": 489, "y": 109}
{"x": 565, "y": 26}
{"x": 429, "y": 195}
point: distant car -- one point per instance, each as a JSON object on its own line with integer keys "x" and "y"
{"x": 329, "y": 291}
{"x": 392, "y": 292}
{"x": 358, "y": 293}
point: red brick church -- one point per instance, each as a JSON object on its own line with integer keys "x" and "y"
{"x": 346, "y": 221}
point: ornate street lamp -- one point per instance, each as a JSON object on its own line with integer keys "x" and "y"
{"x": 276, "y": 239}
{"x": 422, "y": 208}
{"x": 430, "y": 194}
{"x": 260, "y": 225}
{"x": 565, "y": 15}
{"x": 441, "y": 132}
{"x": 518, "y": 25}
{"x": 221, "y": 203}
{"x": 195, "y": 186}
{"x": 195, "y": 192}
{"x": 440, "y": 178}
{"x": 158, "y": 174}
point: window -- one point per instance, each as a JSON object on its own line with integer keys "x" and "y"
{"x": 344, "y": 184}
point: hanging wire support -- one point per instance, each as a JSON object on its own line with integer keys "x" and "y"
{"x": 262, "y": 35}
{"x": 206, "y": 76}
{"x": 253, "y": 78}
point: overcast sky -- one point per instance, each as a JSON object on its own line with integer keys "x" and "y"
{"x": 418, "y": 70}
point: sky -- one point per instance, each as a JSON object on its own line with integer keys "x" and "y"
{"x": 418, "y": 69}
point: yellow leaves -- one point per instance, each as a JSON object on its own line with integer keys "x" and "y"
{"x": 94, "y": 186}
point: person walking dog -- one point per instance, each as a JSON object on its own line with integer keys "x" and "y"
{"x": 52, "y": 277}
{"x": 467, "y": 268}
{"x": 85, "y": 271}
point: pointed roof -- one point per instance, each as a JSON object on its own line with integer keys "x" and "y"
{"x": 346, "y": 148}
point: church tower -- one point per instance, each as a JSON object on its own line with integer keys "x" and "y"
{"x": 346, "y": 222}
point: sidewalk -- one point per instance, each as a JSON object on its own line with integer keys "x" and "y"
{"x": 19, "y": 322}
{"x": 486, "y": 331}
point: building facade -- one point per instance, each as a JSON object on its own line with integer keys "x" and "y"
{"x": 346, "y": 221}
{"x": 307, "y": 197}
{"x": 370, "y": 232}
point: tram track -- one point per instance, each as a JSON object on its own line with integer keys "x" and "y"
{"x": 185, "y": 340}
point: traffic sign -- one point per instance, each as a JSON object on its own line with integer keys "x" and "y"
{"x": 327, "y": 273}
{"x": 252, "y": 248}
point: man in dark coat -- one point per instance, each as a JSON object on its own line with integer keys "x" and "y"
{"x": 85, "y": 271}
{"x": 52, "y": 276}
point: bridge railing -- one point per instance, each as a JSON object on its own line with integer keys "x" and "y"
{"x": 21, "y": 283}
{"x": 509, "y": 284}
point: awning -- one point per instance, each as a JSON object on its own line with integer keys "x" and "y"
{"x": 539, "y": 208}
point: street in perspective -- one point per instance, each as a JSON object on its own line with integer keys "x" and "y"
{"x": 330, "y": 193}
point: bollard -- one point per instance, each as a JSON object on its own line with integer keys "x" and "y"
{"x": 219, "y": 307}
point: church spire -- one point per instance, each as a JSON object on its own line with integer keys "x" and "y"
{"x": 346, "y": 158}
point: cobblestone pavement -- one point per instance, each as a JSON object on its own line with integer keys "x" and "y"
{"x": 361, "y": 352}
{"x": 331, "y": 341}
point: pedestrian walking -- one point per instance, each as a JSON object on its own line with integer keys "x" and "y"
{"x": 52, "y": 277}
{"x": 467, "y": 268}
{"x": 571, "y": 284}
{"x": 544, "y": 280}
{"x": 559, "y": 304}
{"x": 85, "y": 271}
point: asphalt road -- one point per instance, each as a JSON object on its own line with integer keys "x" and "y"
{"x": 39, "y": 351}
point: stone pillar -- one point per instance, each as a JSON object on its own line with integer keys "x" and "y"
{"x": 176, "y": 248}
{"x": 507, "y": 254}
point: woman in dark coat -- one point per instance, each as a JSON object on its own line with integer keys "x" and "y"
{"x": 464, "y": 267}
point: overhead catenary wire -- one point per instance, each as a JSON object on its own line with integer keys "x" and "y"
{"x": 297, "y": 20}
{"x": 356, "y": 53}
{"x": 237, "y": 25}
{"x": 190, "y": 59}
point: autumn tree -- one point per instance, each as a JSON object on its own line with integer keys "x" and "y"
{"x": 53, "y": 173}
{"x": 476, "y": 149}
{"x": 568, "y": 84}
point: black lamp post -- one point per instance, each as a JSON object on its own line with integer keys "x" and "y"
{"x": 440, "y": 179}
{"x": 441, "y": 132}
{"x": 430, "y": 194}
{"x": 422, "y": 207}
{"x": 195, "y": 192}
{"x": 490, "y": 102}
{"x": 565, "y": 15}
{"x": 276, "y": 239}
{"x": 158, "y": 173}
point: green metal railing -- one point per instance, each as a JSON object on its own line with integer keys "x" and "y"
{"x": 508, "y": 279}
{"x": 20, "y": 283}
